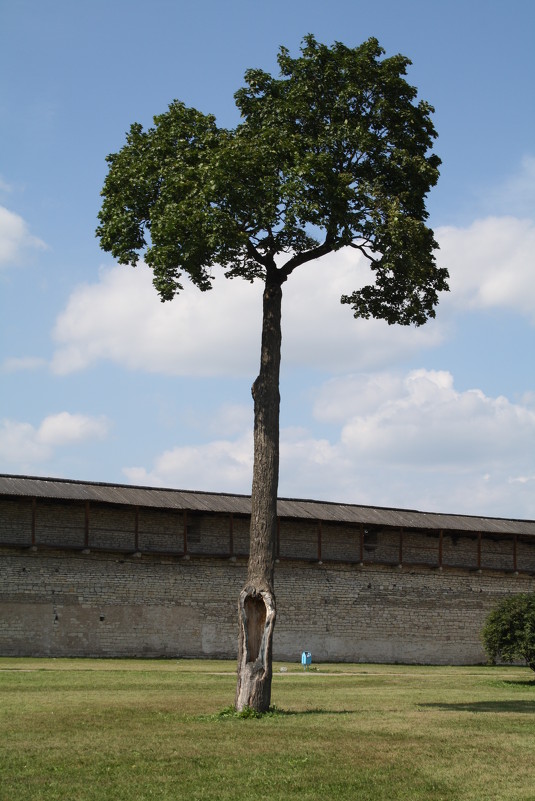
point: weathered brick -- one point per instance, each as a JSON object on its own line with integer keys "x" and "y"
{"x": 84, "y": 591}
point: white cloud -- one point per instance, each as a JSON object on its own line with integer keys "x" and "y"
{"x": 319, "y": 332}
{"x": 120, "y": 318}
{"x": 522, "y": 480}
{"x": 338, "y": 399}
{"x": 229, "y": 420}
{"x": 425, "y": 422}
{"x": 415, "y": 441}
{"x": 17, "y": 364}
{"x": 222, "y": 464}
{"x": 67, "y": 429}
{"x": 15, "y": 237}
{"x": 409, "y": 441}
{"x": 23, "y": 445}
{"x": 491, "y": 264}
{"x": 20, "y": 444}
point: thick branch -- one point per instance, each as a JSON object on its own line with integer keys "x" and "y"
{"x": 307, "y": 255}
{"x": 266, "y": 261}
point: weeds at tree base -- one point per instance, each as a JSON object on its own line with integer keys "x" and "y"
{"x": 248, "y": 712}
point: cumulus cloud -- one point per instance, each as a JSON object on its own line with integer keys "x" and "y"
{"x": 66, "y": 429}
{"x": 319, "y": 332}
{"x": 425, "y": 421}
{"x": 223, "y": 464}
{"x": 15, "y": 237}
{"x": 491, "y": 264}
{"x": 20, "y": 444}
{"x": 120, "y": 318}
{"x": 23, "y": 445}
{"x": 415, "y": 441}
{"x": 411, "y": 441}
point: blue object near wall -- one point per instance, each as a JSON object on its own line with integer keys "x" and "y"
{"x": 306, "y": 659}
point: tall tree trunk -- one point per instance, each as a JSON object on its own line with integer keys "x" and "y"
{"x": 257, "y": 599}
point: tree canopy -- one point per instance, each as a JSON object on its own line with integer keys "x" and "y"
{"x": 332, "y": 153}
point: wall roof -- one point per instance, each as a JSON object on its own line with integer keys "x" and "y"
{"x": 218, "y": 502}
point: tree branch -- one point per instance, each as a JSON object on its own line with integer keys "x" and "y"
{"x": 302, "y": 258}
{"x": 307, "y": 255}
{"x": 253, "y": 253}
{"x": 363, "y": 250}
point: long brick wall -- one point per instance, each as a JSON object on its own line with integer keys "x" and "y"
{"x": 113, "y": 581}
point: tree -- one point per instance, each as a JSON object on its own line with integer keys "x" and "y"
{"x": 333, "y": 153}
{"x": 509, "y": 631}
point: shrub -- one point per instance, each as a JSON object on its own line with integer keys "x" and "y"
{"x": 509, "y": 631}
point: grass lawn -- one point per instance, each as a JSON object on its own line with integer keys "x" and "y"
{"x": 82, "y": 730}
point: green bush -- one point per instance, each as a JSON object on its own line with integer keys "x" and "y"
{"x": 509, "y": 631}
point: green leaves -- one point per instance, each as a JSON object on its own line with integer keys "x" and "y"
{"x": 509, "y": 631}
{"x": 334, "y": 152}
{"x": 407, "y": 279}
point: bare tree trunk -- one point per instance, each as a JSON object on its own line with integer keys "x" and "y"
{"x": 257, "y": 599}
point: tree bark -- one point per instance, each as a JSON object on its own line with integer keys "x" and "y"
{"x": 256, "y": 606}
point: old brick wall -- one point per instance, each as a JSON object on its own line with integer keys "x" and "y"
{"x": 67, "y": 599}
{"x": 65, "y": 604}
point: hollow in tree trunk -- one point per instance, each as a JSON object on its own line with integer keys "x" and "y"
{"x": 257, "y": 610}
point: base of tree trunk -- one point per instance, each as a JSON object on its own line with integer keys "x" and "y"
{"x": 256, "y": 620}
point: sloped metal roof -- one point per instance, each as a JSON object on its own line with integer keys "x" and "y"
{"x": 122, "y": 494}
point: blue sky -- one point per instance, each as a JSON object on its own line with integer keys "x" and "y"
{"x": 100, "y": 381}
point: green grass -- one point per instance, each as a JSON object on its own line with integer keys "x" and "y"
{"x": 108, "y": 730}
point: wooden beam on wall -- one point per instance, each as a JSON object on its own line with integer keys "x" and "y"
{"x": 185, "y": 531}
{"x": 86, "y": 525}
{"x": 231, "y": 534}
{"x": 34, "y": 518}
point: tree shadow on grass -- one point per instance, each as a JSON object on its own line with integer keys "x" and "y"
{"x": 530, "y": 683}
{"x": 523, "y": 707}
{"x": 290, "y": 712}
